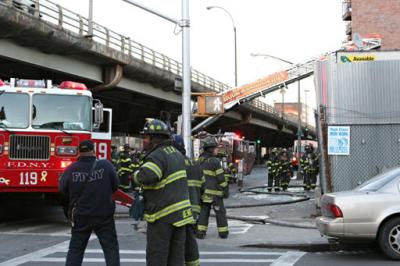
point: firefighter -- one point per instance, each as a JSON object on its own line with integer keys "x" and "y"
{"x": 114, "y": 156}
{"x": 273, "y": 170}
{"x": 227, "y": 171}
{"x": 233, "y": 171}
{"x": 309, "y": 164}
{"x": 125, "y": 168}
{"x": 286, "y": 169}
{"x": 194, "y": 179}
{"x": 166, "y": 197}
{"x": 213, "y": 190}
{"x": 136, "y": 160}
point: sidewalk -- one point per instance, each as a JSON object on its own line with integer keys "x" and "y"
{"x": 281, "y": 229}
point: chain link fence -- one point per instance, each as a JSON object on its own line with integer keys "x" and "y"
{"x": 373, "y": 149}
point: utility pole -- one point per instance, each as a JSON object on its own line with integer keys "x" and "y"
{"x": 298, "y": 130}
{"x": 90, "y": 22}
{"x": 184, "y": 23}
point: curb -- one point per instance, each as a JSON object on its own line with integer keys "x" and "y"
{"x": 270, "y": 221}
{"x": 306, "y": 247}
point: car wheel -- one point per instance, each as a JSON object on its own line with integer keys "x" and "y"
{"x": 389, "y": 238}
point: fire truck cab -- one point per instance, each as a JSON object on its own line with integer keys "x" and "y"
{"x": 41, "y": 126}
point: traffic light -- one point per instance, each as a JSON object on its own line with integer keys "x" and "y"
{"x": 258, "y": 141}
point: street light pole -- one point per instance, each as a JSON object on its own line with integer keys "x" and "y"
{"x": 186, "y": 73}
{"x": 283, "y": 102}
{"x": 234, "y": 32}
{"x": 184, "y": 23}
{"x": 90, "y": 26}
{"x": 298, "y": 130}
{"x": 298, "y": 109}
{"x": 234, "y": 36}
{"x": 306, "y": 106}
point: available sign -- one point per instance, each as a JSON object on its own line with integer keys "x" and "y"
{"x": 357, "y": 58}
{"x": 338, "y": 140}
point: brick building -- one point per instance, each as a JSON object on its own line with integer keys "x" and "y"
{"x": 374, "y": 16}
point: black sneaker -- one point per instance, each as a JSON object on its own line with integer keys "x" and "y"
{"x": 223, "y": 236}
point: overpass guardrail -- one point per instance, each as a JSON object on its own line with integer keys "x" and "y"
{"x": 66, "y": 19}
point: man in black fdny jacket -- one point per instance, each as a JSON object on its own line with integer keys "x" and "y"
{"x": 167, "y": 208}
{"x": 89, "y": 185}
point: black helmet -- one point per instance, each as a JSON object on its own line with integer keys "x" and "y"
{"x": 178, "y": 142}
{"x": 155, "y": 127}
{"x": 126, "y": 147}
{"x": 209, "y": 142}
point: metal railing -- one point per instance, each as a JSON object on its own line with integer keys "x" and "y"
{"x": 66, "y": 19}
{"x": 270, "y": 109}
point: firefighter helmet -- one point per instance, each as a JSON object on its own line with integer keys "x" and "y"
{"x": 221, "y": 153}
{"x": 178, "y": 142}
{"x": 309, "y": 148}
{"x": 274, "y": 150}
{"x": 155, "y": 127}
{"x": 209, "y": 142}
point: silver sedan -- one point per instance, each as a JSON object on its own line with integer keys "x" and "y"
{"x": 369, "y": 212}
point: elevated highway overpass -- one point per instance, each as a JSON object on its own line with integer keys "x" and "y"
{"x": 51, "y": 42}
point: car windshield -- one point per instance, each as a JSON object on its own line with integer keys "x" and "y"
{"x": 379, "y": 181}
{"x": 63, "y": 112}
{"x": 14, "y": 110}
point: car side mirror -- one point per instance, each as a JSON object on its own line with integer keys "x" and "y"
{"x": 98, "y": 115}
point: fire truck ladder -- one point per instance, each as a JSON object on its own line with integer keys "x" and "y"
{"x": 295, "y": 73}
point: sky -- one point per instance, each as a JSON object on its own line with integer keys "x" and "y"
{"x": 295, "y": 30}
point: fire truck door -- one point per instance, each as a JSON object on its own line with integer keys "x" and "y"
{"x": 102, "y": 137}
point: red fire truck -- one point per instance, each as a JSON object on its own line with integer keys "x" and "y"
{"x": 239, "y": 151}
{"x": 41, "y": 126}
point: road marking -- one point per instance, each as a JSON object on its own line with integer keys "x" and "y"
{"x": 288, "y": 259}
{"x": 248, "y": 253}
{"x": 36, "y": 255}
{"x": 43, "y": 256}
{"x": 47, "y": 259}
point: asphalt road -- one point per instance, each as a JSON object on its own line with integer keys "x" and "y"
{"x": 32, "y": 233}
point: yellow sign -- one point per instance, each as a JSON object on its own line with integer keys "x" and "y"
{"x": 357, "y": 58}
